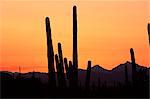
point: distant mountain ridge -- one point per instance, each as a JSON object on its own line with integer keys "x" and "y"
{"x": 98, "y": 74}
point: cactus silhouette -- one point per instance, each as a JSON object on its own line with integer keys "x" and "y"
{"x": 126, "y": 74}
{"x": 62, "y": 75}
{"x": 133, "y": 65}
{"x": 58, "y": 70}
{"x": 68, "y": 72}
{"x": 60, "y": 56}
{"x": 75, "y": 52}
{"x": 50, "y": 55}
{"x": 87, "y": 82}
{"x": 148, "y": 28}
{"x": 19, "y": 74}
{"x": 66, "y": 66}
{"x": 70, "y": 75}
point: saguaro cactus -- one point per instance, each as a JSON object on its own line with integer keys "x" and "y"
{"x": 60, "y": 57}
{"x": 87, "y": 82}
{"x": 66, "y": 66}
{"x": 19, "y": 74}
{"x": 133, "y": 65}
{"x": 58, "y": 68}
{"x": 63, "y": 82}
{"x": 50, "y": 55}
{"x": 70, "y": 75}
{"x": 59, "y": 71}
{"x": 75, "y": 53}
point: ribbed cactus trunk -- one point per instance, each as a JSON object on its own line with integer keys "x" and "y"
{"x": 50, "y": 55}
{"x": 126, "y": 75}
{"x": 133, "y": 66}
{"x": 87, "y": 82}
{"x": 75, "y": 52}
{"x": 148, "y": 28}
{"x": 63, "y": 81}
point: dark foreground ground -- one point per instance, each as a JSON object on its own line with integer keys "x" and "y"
{"x": 33, "y": 88}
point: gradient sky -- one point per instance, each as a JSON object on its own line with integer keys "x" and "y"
{"x": 106, "y": 32}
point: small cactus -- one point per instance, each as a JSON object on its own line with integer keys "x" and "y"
{"x": 66, "y": 66}
{"x": 87, "y": 82}
{"x": 133, "y": 65}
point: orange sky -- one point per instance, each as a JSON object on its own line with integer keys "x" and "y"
{"x": 106, "y": 32}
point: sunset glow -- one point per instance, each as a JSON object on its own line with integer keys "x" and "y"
{"x": 106, "y": 32}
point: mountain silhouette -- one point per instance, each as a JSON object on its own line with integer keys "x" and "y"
{"x": 109, "y": 83}
{"x": 116, "y": 75}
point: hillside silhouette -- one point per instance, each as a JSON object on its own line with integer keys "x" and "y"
{"x": 125, "y": 80}
{"x": 35, "y": 84}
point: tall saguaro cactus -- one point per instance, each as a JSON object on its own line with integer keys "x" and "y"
{"x": 133, "y": 65}
{"x": 50, "y": 55}
{"x": 75, "y": 52}
{"x": 87, "y": 82}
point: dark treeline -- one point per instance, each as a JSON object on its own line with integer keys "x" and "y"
{"x": 64, "y": 82}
